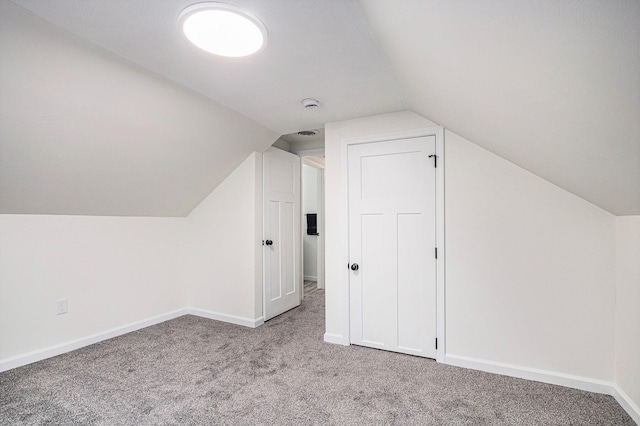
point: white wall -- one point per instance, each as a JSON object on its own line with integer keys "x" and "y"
{"x": 316, "y": 142}
{"x": 309, "y": 205}
{"x": 224, "y": 251}
{"x": 282, "y": 144}
{"x": 83, "y": 131}
{"x": 118, "y": 271}
{"x": 529, "y": 266}
{"x": 628, "y": 307}
{"x": 113, "y": 271}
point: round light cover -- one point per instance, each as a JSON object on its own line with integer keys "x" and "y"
{"x": 223, "y": 29}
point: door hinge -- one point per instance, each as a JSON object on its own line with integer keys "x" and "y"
{"x": 436, "y": 343}
{"x": 435, "y": 160}
{"x": 436, "y": 252}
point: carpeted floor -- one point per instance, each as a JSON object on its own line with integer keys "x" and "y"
{"x": 194, "y": 371}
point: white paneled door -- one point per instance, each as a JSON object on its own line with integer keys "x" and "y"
{"x": 392, "y": 241}
{"x": 281, "y": 244}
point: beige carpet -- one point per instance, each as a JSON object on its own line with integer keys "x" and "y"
{"x": 194, "y": 371}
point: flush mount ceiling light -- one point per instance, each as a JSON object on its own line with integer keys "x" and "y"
{"x": 223, "y": 29}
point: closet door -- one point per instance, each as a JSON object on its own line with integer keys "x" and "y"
{"x": 392, "y": 240}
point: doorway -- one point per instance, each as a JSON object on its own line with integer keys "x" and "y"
{"x": 312, "y": 185}
{"x": 307, "y": 251}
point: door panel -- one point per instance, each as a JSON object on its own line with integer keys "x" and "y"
{"x": 409, "y": 273}
{"x": 272, "y": 256}
{"x": 389, "y": 176}
{"x": 288, "y": 257}
{"x": 282, "y": 257}
{"x": 373, "y": 295}
{"x": 392, "y": 238}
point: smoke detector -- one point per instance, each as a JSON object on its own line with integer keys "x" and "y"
{"x": 307, "y": 133}
{"x": 310, "y": 103}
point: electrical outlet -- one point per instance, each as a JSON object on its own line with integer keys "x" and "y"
{"x": 61, "y": 306}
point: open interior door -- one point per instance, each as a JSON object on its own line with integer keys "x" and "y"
{"x": 281, "y": 245}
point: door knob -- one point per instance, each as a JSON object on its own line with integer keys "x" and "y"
{"x": 268, "y": 242}
{"x": 354, "y": 267}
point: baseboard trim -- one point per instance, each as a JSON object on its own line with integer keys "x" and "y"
{"x": 51, "y": 351}
{"x": 335, "y": 338}
{"x": 246, "y": 322}
{"x": 625, "y": 402}
{"x": 310, "y": 278}
{"x": 551, "y": 377}
{"x": 545, "y": 376}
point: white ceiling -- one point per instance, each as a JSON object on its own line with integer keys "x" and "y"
{"x": 84, "y": 132}
{"x": 315, "y": 49}
{"x": 553, "y": 86}
{"x": 301, "y": 143}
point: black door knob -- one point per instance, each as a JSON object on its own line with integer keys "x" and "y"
{"x": 268, "y": 242}
{"x": 354, "y": 267}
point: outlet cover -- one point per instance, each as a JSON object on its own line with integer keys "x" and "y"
{"x": 61, "y": 306}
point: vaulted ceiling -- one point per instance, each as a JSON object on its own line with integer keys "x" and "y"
{"x": 315, "y": 49}
{"x": 551, "y": 86}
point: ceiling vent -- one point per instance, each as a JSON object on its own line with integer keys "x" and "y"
{"x": 310, "y": 103}
{"x": 307, "y": 133}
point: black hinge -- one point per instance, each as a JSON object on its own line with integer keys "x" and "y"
{"x": 436, "y": 252}
{"x": 435, "y": 160}
{"x": 436, "y": 343}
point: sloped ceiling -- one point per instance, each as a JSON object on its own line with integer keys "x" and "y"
{"x": 92, "y": 120}
{"x": 315, "y": 49}
{"x": 83, "y": 132}
{"x": 553, "y": 86}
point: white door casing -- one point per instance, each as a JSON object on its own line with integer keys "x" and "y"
{"x": 282, "y": 236}
{"x": 392, "y": 238}
{"x": 321, "y": 231}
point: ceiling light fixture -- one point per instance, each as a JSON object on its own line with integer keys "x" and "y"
{"x": 223, "y": 29}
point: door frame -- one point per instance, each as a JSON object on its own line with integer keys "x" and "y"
{"x": 438, "y": 132}
{"x": 320, "y": 218}
{"x": 320, "y": 261}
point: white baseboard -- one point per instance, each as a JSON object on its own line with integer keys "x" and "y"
{"x": 335, "y": 338}
{"x": 247, "y": 322}
{"x": 51, "y": 351}
{"x": 545, "y": 376}
{"x": 551, "y": 377}
{"x": 310, "y": 278}
{"x": 625, "y": 402}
